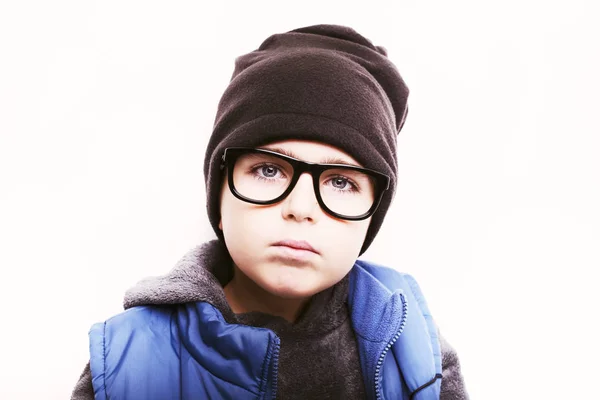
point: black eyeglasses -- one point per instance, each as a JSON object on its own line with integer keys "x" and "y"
{"x": 262, "y": 176}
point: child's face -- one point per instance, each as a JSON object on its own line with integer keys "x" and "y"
{"x": 250, "y": 231}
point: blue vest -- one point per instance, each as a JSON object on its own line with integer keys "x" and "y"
{"x": 188, "y": 351}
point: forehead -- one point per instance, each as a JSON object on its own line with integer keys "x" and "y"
{"x": 312, "y": 151}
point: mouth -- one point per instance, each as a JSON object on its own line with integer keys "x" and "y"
{"x": 293, "y": 255}
{"x": 297, "y": 245}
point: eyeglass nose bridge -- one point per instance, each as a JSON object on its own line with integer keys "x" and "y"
{"x": 314, "y": 170}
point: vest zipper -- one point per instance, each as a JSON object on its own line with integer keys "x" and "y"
{"x": 275, "y": 368}
{"x": 387, "y": 348}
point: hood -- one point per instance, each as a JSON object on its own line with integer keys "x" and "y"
{"x": 198, "y": 276}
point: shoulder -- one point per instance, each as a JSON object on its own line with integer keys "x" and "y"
{"x": 394, "y": 280}
{"x": 126, "y": 348}
{"x": 390, "y": 277}
{"x": 128, "y": 332}
{"x": 132, "y": 319}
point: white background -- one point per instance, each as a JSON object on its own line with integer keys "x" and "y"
{"x": 106, "y": 107}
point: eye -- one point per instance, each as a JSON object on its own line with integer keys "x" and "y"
{"x": 343, "y": 184}
{"x": 267, "y": 171}
{"x": 339, "y": 182}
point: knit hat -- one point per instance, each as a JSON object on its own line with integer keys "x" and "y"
{"x": 325, "y": 83}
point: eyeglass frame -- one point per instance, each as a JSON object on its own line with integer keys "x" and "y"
{"x": 231, "y": 154}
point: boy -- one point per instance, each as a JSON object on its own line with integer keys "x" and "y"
{"x": 300, "y": 171}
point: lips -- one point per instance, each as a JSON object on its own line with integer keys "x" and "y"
{"x": 296, "y": 244}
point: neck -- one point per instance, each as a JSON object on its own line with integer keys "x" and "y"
{"x": 244, "y": 295}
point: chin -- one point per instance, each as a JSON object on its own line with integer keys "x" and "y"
{"x": 290, "y": 292}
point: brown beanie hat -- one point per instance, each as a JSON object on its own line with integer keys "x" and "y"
{"x": 325, "y": 83}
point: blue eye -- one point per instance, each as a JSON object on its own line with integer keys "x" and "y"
{"x": 266, "y": 172}
{"x": 343, "y": 184}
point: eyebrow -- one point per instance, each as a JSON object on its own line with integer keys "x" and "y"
{"x": 326, "y": 160}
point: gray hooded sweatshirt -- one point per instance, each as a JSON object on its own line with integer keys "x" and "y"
{"x": 323, "y": 328}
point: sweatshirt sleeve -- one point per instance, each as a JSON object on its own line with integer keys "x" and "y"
{"x": 83, "y": 389}
{"x": 453, "y": 385}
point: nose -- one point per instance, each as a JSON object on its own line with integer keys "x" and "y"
{"x": 301, "y": 203}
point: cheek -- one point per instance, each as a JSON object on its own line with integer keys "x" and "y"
{"x": 341, "y": 243}
{"x": 235, "y": 226}
{"x": 344, "y": 244}
{"x": 231, "y": 211}
{"x": 242, "y": 224}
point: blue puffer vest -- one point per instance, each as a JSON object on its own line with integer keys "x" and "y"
{"x": 188, "y": 351}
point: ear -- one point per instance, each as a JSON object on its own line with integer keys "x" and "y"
{"x": 221, "y": 224}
